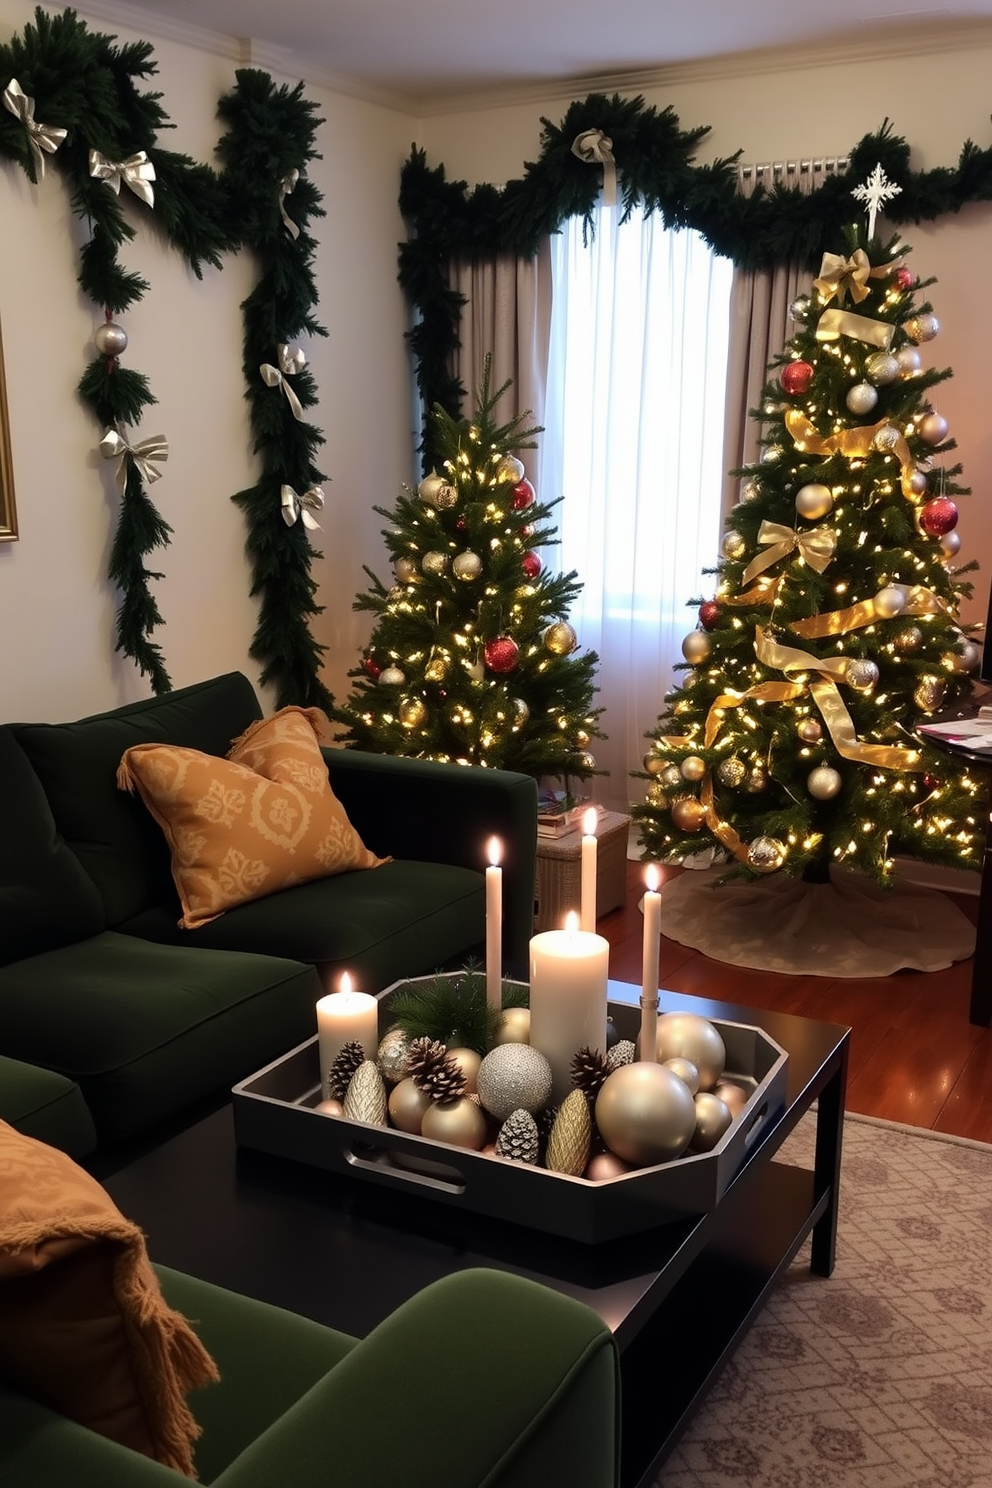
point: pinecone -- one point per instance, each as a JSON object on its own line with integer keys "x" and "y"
{"x": 433, "y": 1070}
{"x": 346, "y": 1062}
{"x": 517, "y": 1138}
{"x": 624, "y": 1052}
{"x": 589, "y": 1070}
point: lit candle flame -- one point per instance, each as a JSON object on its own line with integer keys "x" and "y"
{"x": 571, "y": 923}
{"x": 345, "y": 982}
{"x": 589, "y": 820}
{"x": 652, "y": 877}
{"x": 495, "y": 850}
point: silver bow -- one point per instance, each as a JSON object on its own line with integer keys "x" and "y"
{"x": 294, "y": 506}
{"x": 41, "y": 137}
{"x": 146, "y": 454}
{"x": 291, "y": 360}
{"x": 136, "y": 171}
{"x": 286, "y": 187}
{"x": 596, "y": 148}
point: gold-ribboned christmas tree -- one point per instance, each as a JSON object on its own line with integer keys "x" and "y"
{"x": 792, "y": 742}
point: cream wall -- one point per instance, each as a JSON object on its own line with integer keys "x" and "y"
{"x": 57, "y": 614}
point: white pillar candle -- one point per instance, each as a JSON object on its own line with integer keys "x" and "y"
{"x": 494, "y": 926}
{"x": 587, "y": 901}
{"x": 649, "y": 965}
{"x": 342, "y": 1017}
{"x": 569, "y": 970}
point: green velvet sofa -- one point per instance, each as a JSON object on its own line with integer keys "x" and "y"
{"x": 484, "y": 1380}
{"x": 114, "y": 1020}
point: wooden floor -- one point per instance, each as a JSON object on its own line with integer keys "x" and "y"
{"x": 915, "y": 1058}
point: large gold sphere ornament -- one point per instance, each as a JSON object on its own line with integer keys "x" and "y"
{"x": 468, "y": 1062}
{"x": 514, "y": 1026}
{"x": 655, "y": 796}
{"x": 434, "y": 563}
{"x": 696, "y": 647}
{"x": 429, "y": 487}
{"x": 514, "y": 1077}
{"x": 922, "y": 327}
{"x": 766, "y": 855}
{"x": 810, "y": 731}
{"x": 391, "y": 676}
{"x": 909, "y": 641}
{"x": 689, "y": 1036}
{"x": 757, "y": 780}
{"x": 890, "y": 601}
{"x": 655, "y": 763}
{"x": 645, "y": 1113}
{"x": 823, "y": 783}
{"x": 929, "y": 694}
{"x": 685, "y": 1069}
{"x": 460, "y": 1123}
{"x": 412, "y": 712}
{"x": 670, "y": 777}
{"x": 688, "y": 814}
{"x": 733, "y": 546}
{"x": 510, "y": 469}
{"x": 882, "y": 367}
{"x": 392, "y": 1055}
{"x": 406, "y": 570}
{"x": 713, "y": 1119}
{"x": 693, "y": 768}
{"x": 861, "y": 673}
{"x": 466, "y": 566}
{"x": 731, "y": 772}
{"x": 560, "y": 638}
{"x": 814, "y": 501}
{"x": 406, "y": 1106}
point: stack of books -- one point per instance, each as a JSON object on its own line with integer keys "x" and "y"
{"x": 555, "y": 818}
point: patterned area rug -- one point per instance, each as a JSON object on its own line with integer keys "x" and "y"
{"x": 880, "y": 1377}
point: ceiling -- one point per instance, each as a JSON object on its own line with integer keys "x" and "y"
{"x": 416, "y": 51}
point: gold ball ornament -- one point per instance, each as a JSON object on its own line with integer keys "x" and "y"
{"x": 606, "y": 1165}
{"x": 922, "y": 327}
{"x": 885, "y": 439}
{"x": 110, "y": 339}
{"x": 510, "y": 469}
{"x": 861, "y": 673}
{"x": 330, "y": 1107}
{"x": 771, "y": 453}
{"x": 406, "y": 570}
{"x": 514, "y": 1027}
{"x": 685, "y": 1069}
{"x": 560, "y": 639}
{"x": 587, "y": 761}
{"x": 890, "y": 601}
{"x": 693, "y": 768}
{"x": 429, "y": 487}
{"x": 823, "y": 783}
{"x": 689, "y": 1036}
{"x": 447, "y": 497}
{"x": 670, "y": 777}
{"x": 406, "y": 1105}
{"x": 909, "y": 641}
{"x": 645, "y": 1113}
{"x": 861, "y": 398}
{"x": 468, "y": 1061}
{"x": 582, "y": 739}
{"x": 688, "y": 814}
{"x": 757, "y": 780}
{"x": 412, "y": 712}
{"x": 814, "y": 501}
{"x": 514, "y": 1077}
{"x": 436, "y": 669}
{"x": 810, "y": 731}
{"x": 713, "y": 1119}
{"x": 696, "y": 647}
{"x": 434, "y": 563}
{"x": 929, "y": 694}
{"x": 735, "y": 1097}
{"x": 731, "y": 772}
{"x": 766, "y": 855}
{"x": 882, "y": 367}
{"x": 392, "y": 1055}
{"x": 750, "y": 489}
{"x": 655, "y": 763}
{"x": 460, "y": 1123}
{"x": 466, "y": 566}
{"x": 655, "y": 795}
{"x": 391, "y": 676}
{"x": 733, "y": 546}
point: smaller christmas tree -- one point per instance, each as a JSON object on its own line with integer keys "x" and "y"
{"x": 472, "y": 658}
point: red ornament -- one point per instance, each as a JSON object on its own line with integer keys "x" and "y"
{"x": 523, "y": 495}
{"x": 501, "y": 654}
{"x": 796, "y": 377}
{"x": 709, "y": 614}
{"x": 531, "y": 564}
{"x": 903, "y": 278}
{"x": 938, "y": 516}
{"x": 930, "y": 782}
{"x": 461, "y": 524}
{"x": 372, "y": 667}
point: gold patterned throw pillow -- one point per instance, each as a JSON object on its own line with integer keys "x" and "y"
{"x": 260, "y": 820}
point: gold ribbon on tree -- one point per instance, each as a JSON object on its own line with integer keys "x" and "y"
{"x": 295, "y": 507}
{"x": 919, "y": 601}
{"x": 43, "y": 138}
{"x": 847, "y": 276}
{"x": 146, "y": 455}
{"x": 855, "y": 444}
{"x": 765, "y": 592}
{"x": 596, "y": 148}
{"x": 287, "y": 186}
{"x": 816, "y": 547}
{"x": 291, "y": 360}
{"x": 136, "y": 172}
{"x": 833, "y": 324}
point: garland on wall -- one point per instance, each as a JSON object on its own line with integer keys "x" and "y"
{"x": 72, "y": 101}
{"x": 650, "y": 158}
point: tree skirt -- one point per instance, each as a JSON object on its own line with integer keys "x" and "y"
{"x": 846, "y": 928}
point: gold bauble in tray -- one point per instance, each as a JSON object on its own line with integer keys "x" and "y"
{"x": 645, "y": 1113}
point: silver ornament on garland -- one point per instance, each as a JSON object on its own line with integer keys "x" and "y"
{"x": 950, "y": 543}
{"x": 917, "y": 481}
{"x": 757, "y": 780}
{"x": 110, "y": 339}
{"x": 511, "y": 1076}
{"x": 447, "y": 497}
{"x": 655, "y": 796}
{"x": 766, "y": 854}
{"x": 429, "y": 487}
{"x": 750, "y": 490}
{"x": 520, "y": 711}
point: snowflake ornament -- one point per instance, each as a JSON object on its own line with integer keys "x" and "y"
{"x": 877, "y": 190}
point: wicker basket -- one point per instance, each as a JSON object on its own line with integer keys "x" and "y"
{"x": 559, "y": 869}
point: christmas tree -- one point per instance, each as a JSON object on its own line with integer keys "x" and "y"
{"x": 471, "y": 658}
{"x": 793, "y": 740}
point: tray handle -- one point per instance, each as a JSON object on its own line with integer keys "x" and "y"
{"x": 755, "y": 1126}
{"x": 372, "y": 1157}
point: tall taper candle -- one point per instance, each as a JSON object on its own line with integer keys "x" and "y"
{"x": 494, "y": 926}
{"x": 651, "y": 955}
{"x": 342, "y": 1017}
{"x": 568, "y": 974}
{"x": 587, "y": 901}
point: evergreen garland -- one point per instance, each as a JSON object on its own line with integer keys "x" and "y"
{"x": 654, "y": 166}
{"x": 82, "y": 82}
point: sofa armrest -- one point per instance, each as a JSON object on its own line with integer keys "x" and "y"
{"x": 39, "y": 1448}
{"x": 483, "y": 1378}
{"x": 439, "y": 813}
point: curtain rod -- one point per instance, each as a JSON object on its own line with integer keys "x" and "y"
{"x": 828, "y": 165}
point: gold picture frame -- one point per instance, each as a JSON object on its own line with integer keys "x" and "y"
{"x": 8, "y": 511}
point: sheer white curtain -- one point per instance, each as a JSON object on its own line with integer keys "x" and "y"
{"x": 634, "y": 420}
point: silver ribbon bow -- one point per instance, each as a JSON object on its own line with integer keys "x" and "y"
{"x": 136, "y": 172}
{"x": 286, "y": 187}
{"x": 43, "y": 138}
{"x": 291, "y": 360}
{"x": 146, "y": 455}
{"x": 596, "y": 148}
{"x": 294, "y": 506}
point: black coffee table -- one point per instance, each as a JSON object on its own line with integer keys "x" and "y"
{"x": 678, "y": 1299}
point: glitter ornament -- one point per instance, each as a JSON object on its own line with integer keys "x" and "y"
{"x": 903, "y": 278}
{"x": 570, "y": 1137}
{"x": 771, "y": 453}
{"x": 391, "y": 676}
{"x": 587, "y": 761}
{"x": 731, "y": 772}
{"x": 750, "y": 490}
{"x": 861, "y": 398}
{"x": 371, "y": 668}
{"x": 365, "y": 1099}
{"x": 406, "y": 570}
{"x": 688, "y": 814}
{"x": 531, "y": 564}
{"x": 521, "y": 712}
{"x": 513, "y": 1077}
{"x": 670, "y": 777}
{"x": 523, "y": 495}
{"x": 890, "y": 601}
{"x": 581, "y": 738}
{"x": 938, "y": 516}
{"x": 392, "y": 1054}
{"x": 886, "y": 438}
{"x": 734, "y": 546}
{"x": 447, "y": 497}
{"x": 560, "y": 638}
{"x": 757, "y": 780}
{"x": 929, "y": 694}
{"x": 823, "y": 783}
{"x": 429, "y": 487}
{"x": 436, "y": 669}
{"x": 799, "y": 308}
{"x": 766, "y": 855}
{"x": 814, "y": 501}
{"x": 922, "y": 327}
{"x": 861, "y": 673}
{"x": 882, "y": 367}
{"x": 645, "y": 1114}
{"x": 696, "y": 647}
{"x": 514, "y": 1028}
{"x": 709, "y": 614}
{"x": 932, "y": 428}
{"x": 413, "y": 712}
{"x": 110, "y": 339}
{"x": 796, "y": 377}
{"x": 434, "y": 563}
{"x": 466, "y": 566}
{"x": 655, "y": 796}
{"x": 501, "y": 654}
{"x": 909, "y": 641}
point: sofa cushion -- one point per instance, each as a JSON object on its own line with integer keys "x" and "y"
{"x": 111, "y": 833}
{"x": 84, "y": 1327}
{"x": 46, "y": 898}
{"x": 240, "y": 828}
{"x": 147, "y": 1030}
{"x": 45, "y": 1105}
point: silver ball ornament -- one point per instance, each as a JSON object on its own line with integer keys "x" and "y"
{"x": 882, "y": 367}
{"x": 933, "y": 428}
{"x": 510, "y": 469}
{"x": 909, "y": 360}
{"x": 861, "y": 673}
{"x": 690, "y": 1036}
{"x": 766, "y": 855}
{"x": 513, "y": 1077}
{"x": 890, "y": 601}
{"x": 645, "y": 1113}
{"x": 696, "y": 647}
{"x": 950, "y": 543}
{"x": 110, "y": 339}
{"x": 886, "y": 438}
{"x": 466, "y": 566}
{"x": 823, "y": 783}
{"x": 406, "y": 570}
{"x": 814, "y": 501}
{"x": 391, "y": 676}
{"x": 434, "y": 563}
{"x": 429, "y": 487}
{"x": 917, "y": 481}
{"x": 861, "y": 398}
{"x": 713, "y": 1120}
{"x": 922, "y": 327}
